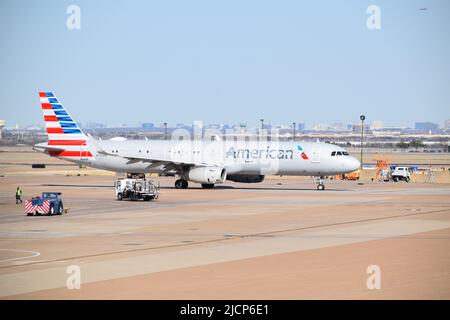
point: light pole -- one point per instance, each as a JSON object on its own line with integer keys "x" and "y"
{"x": 165, "y": 130}
{"x": 362, "y": 117}
{"x": 293, "y": 125}
{"x": 262, "y": 126}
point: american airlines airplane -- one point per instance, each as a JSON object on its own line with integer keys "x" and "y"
{"x": 197, "y": 160}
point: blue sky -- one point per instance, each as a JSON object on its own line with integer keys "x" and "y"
{"x": 227, "y": 61}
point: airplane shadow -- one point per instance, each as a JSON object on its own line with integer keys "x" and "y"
{"x": 200, "y": 188}
{"x": 77, "y": 185}
{"x": 259, "y": 189}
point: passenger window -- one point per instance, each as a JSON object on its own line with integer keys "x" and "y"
{"x": 333, "y": 153}
{"x": 338, "y": 153}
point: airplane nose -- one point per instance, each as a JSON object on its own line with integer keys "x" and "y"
{"x": 354, "y": 164}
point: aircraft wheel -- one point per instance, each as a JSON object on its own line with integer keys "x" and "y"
{"x": 181, "y": 184}
{"x": 61, "y": 209}
{"x": 320, "y": 187}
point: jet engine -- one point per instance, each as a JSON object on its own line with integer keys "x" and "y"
{"x": 206, "y": 175}
{"x": 246, "y": 178}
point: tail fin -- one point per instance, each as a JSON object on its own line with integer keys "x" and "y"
{"x": 63, "y": 133}
{"x": 58, "y": 122}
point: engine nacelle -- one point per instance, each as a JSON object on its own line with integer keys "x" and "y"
{"x": 246, "y": 178}
{"x": 207, "y": 175}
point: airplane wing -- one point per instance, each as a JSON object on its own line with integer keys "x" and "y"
{"x": 136, "y": 158}
{"x": 166, "y": 167}
{"x": 133, "y": 157}
{"x": 169, "y": 166}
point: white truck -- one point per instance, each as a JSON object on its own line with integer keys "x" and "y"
{"x": 136, "y": 189}
{"x": 400, "y": 173}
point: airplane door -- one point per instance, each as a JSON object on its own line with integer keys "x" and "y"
{"x": 315, "y": 156}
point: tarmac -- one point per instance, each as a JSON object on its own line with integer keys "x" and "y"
{"x": 280, "y": 239}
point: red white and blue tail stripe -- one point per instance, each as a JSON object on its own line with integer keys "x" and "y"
{"x": 65, "y": 138}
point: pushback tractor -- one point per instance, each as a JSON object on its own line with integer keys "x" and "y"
{"x": 49, "y": 203}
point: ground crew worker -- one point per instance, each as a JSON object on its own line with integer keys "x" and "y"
{"x": 18, "y": 195}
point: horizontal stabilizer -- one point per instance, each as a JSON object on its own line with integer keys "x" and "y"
{"x": 44, "y": 147}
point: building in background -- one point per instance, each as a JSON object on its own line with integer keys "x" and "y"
{"x": 95, "y": 125}
{"x": 338, "y": 126}
{"x": 321, "y": 127}
{"x": 356, "y": 128}
{"x": 426, "y": 126}
{"x": 2, "y": 125}
{"x": 147, "y": 126}
{"x": 447, "y": 125}
{"x": 377, "y": 125}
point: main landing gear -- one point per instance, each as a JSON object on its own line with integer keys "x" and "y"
{"x": 320, "y": 184}
{"x": 181, "y": 184}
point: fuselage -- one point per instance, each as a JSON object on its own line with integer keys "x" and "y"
{"x": 237, "y": 157}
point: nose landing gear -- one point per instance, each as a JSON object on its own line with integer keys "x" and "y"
{"x": 320, "y": 184}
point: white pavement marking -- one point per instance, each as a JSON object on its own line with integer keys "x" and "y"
{"x": 33, "y": 254}
{"x": 55, "y": 277}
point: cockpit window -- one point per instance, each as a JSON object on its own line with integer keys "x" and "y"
{"x": 339, "y": 153}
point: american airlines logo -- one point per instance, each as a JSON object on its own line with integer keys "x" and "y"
{"x": 303, "y": 154}
{"x": 266, "y": 153}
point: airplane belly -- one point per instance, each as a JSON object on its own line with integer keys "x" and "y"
{"x": 243, "y": 167}
{"x": 303, "y": 168}
{"x": 120, "y": 165}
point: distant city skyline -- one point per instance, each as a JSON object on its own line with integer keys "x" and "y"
{"x": 445, "y": 123}
{"x": 335, "y": 126}
{"x": 227, "y": 62}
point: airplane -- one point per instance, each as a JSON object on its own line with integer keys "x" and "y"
{"x": 191, "y": 160}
